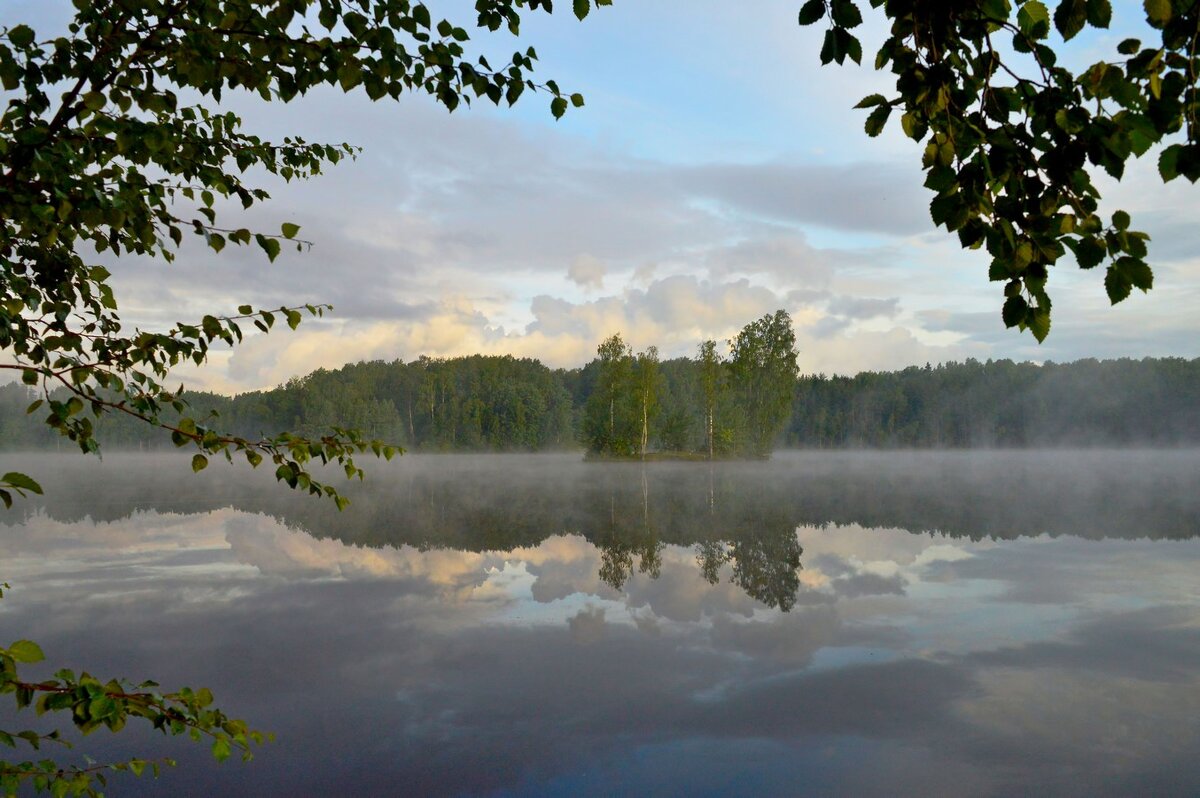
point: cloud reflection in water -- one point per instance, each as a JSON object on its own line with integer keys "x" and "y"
{"x": 908, "y": 663}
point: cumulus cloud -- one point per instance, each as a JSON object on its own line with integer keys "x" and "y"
{"x": 587, "y": 272}
{"x": 849, "y": 350}
{"x": 788, "y": 257}
{"x": 828, "y": 326}
{"x": 674, "y": 313}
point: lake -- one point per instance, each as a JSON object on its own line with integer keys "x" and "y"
{"x": 937, "y": 623}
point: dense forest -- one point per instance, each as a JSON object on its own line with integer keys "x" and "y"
{"x": 999, "y": 403}
{"x": 626, "y": 404}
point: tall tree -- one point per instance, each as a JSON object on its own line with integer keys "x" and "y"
{"x": 762, "y": 367}
{"x": 608, "y": 427}
{"x": 712, "y": 371}
{"x": 647, "y": 381}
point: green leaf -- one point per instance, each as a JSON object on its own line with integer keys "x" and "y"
{"x": 21, "y": 35}
{"x": 22, "y": 482}
{"x": 1034, "y": 20}
{"x": 271, "y": 246}
{"x": 1158, "y": 12}
{"x": 220, "y": 748}
{"x": 289, "y": 229}
{"x": 94, "y": 101}
{"x": 829, "y": 48}
{"x": 1168, "y": 162}
{"x": 577, "y": 100}
{"x": 877, "y": 119}
{"x": 285, "y": 473}
{"x": 1116, "y": 284}
{"x": 1039, "y": 323}
{"x": 1120, "y": 220}
{"x": 1188, "y": 161}
{"x": 1129, "y": 46}
{"x": 846, "y": 13}
{"x": 1014, "y": 311}
{"x": 558, "y": 107}
{"x": 1070, "y": 17}
{"x": 1099, "y": 13}
{"x": 871, "y": 100}
{"x": 349, "y": 75}
{"x": 995, "y": 10}
{"x": 10, "y": 74}
{"x": 1137, "y": 271}
{"x": 199, "y": 462}
{"x": 812, "y": 11}
{"x": 1089, "y": 252}
{"x": 851, "y": 45}
{"x": 581, "y": 8}
{"x": 26, "y": 651}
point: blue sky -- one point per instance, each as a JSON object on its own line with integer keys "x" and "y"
{"x": 716, "y": 173}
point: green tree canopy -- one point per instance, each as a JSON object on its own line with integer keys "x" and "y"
{"x": 611, "y": 421}
{"x": 1012, "y": 137}
{"x": 113, "y": 140}
{"x": 762, "y": 367}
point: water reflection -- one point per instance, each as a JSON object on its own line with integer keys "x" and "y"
{"x": 739, "y": 514}
{"x": 539, "y": 626}
{"x": 502, "y": 501}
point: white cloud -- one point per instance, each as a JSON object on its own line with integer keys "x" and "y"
{"x": 587, "y": 272}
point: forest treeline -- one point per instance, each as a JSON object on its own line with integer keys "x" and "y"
{"x": 999, "y": 403}
{"x": 626, "y": 404}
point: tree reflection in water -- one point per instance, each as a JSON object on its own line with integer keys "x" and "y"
{"x": 740, "y": 515}
{"x": 761, "y": 545}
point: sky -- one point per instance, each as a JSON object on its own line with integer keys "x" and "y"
{"x": 716, "y": 173}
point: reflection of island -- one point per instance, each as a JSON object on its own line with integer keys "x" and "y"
{"x": 741, "y": 514}
{"x": 761, "y": 546}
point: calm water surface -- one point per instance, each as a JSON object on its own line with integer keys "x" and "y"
{"x": 841, "y": 624}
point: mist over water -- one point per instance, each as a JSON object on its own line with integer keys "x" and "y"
{"x": 457, "y": 500}
{"x": 850, "y": 623}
